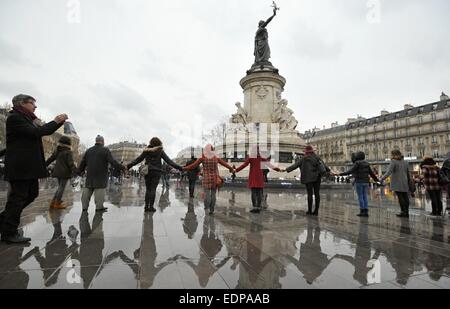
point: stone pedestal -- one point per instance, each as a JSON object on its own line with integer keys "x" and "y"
{"x": 262, "y": 90}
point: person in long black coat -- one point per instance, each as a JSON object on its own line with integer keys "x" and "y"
{"x": 153, "y": 160}
{"x": 24, "y": 162}
{"x": 95, "y": 162}
{"x": 192, "y": 176}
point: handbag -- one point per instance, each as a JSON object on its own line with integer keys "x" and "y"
{"x": 219, "y": 181}
{"x": 443, "y": 178}
{"x": 143, "y": 170}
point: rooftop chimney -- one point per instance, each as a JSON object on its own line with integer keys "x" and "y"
{"x": 384, "y": 113}
{"x": 408, "y": 106}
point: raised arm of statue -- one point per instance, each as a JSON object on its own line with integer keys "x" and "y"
{"x": 270, "y": 19}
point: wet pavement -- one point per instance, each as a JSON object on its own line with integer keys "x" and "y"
{"x": 180, "y": 246}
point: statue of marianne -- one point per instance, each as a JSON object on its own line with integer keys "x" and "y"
{"x": 262, "y": 49}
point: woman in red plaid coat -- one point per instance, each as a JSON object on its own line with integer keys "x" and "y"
{"x": 256, "y": 176}
{"x": 430, "y": 176}
{"x": 210, "y": 175}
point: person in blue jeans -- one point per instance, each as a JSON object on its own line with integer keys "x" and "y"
{"x": 361, "y": 171}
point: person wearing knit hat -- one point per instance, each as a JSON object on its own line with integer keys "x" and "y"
{"x": 63, "y": 170}
{"x": 312, "y": 169}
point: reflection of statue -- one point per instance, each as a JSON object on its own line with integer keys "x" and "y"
{"x": 262, "y": 49}
{"x": 241, "y": 116}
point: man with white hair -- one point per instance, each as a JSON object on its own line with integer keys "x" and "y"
{"x": 24, "y": 162}
{"x": 95, "y": 163}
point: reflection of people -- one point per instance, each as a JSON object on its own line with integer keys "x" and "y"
{"x": 56, "y": 251}
{"x": 404, "y": 254}
{"x": 24, "y": 162}
{"x": 164, "y": 200}
{"x": 17, "y": 279}
{"x": 312, "y": 261}
{"x": 362, "y": 256}
{"x": 147, "y": 254}
{"x": 436, "y": 263}
{"x": 210, "y": 246}
{"x": 190, "y": 222}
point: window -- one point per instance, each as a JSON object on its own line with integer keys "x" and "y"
{"x": 435, "y": 106}
{"x": 408, "y": 142}
{"x": 434, "y": 139}
{"x": 420, "y": 140}
{"x": 448, "y": 137}
{"x": 435, "y": 153}
{"x": 433, "y": 117}
{"x": 395, "y": 124}
{"x": 434, "y": 128}
{"x": 420, "y": 119}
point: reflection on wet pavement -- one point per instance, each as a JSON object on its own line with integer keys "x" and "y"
{"x": 180, "y": 246}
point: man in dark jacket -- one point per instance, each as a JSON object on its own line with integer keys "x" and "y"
{"x": 95, "y": 162}
{"x": 192, "y": 176}
{"x": 24, "y": 163}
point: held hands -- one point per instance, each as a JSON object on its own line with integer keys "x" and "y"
{"x": 61, "y": 118}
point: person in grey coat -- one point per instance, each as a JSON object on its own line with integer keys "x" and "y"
{"x": 400, "y": 178}
{"x": 95, "y": 163}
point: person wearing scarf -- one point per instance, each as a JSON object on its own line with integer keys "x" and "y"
{"x": 24, "y": 162}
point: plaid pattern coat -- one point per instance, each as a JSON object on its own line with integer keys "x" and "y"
{"x": 430, "y": 176}
{"x": 210, "y": 170}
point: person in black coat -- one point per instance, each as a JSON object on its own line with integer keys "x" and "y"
{"x": 95, "y": 162}
{"x": 63, "y": 170}
{"x": 153, "y": 157}
{"x": 192, "y": 176}
{"x": 24, "y": 162}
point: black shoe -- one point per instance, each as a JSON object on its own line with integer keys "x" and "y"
{"x": 102, "y": 209}
{"x": 211, "y": 213}
{"x": 309, "y": 213}
{"x": 315, "y": 213}
{"x": 16, "y": 239}
{"x": 255, "y": 211}
{"x": 152, "y": 209}
{"x": 361, "y": 213}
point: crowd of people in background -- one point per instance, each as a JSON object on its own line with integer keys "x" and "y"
{"x": 26, "y": 164}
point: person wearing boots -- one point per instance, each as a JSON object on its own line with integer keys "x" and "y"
{"x": 361, "y": 171}
{"x": 64, "y": 169}
{"x": 310, "y": 167}
{"x": 24, "y": 162}
{"x": 400, "y": 181}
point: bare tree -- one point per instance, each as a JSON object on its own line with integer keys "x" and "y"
{"x": 216, "y": 136}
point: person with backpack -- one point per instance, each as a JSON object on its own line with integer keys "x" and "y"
{"x": 400, "y": 181}
{"x": 432, "y": 182}
{"x": 361, "y": 171}
{"x": 64, "y": 169}
{"x": 256, "y": 179}
{"x": 312, "y": 169}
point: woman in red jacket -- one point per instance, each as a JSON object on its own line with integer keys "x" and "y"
{"x": 210, "y": 175}
{"x": 256, "y": 176}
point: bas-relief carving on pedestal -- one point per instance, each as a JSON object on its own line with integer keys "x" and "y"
{"x": 262, "y": 92}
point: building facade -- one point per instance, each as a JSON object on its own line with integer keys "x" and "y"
{"x": 126, "y": 152}
{"x": 415, "y": 131}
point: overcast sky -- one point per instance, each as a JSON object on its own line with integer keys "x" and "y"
{"x": 134, "y": 69}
